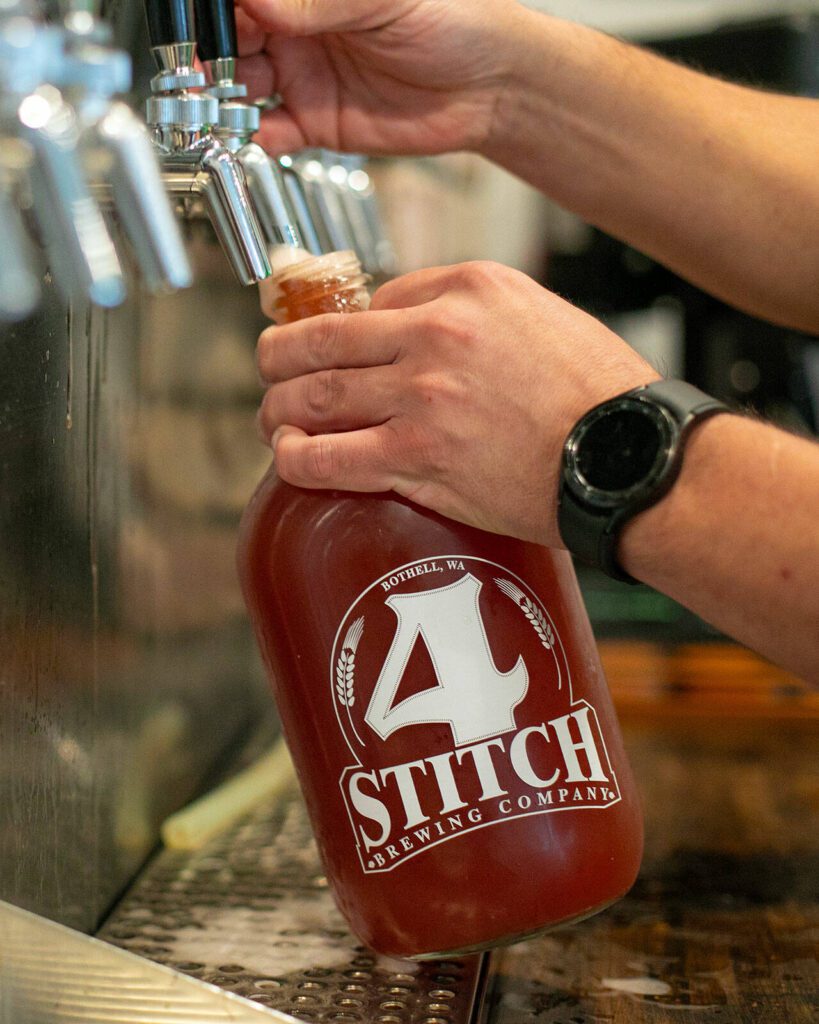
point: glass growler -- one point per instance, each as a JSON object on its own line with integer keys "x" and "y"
{"x": 443, "y": 700}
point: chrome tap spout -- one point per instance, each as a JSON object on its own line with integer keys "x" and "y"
{"x": 206, "y": 168}
{"x": 222, "y": 185}
{"x": 120, "y": 159}
{"x": 76, "y": 238}
{"x": 324, "y": 203}
{"x": 349, "y": 175}
{"x": 141, "y": 200}
{"x": 238, "y": 121}
{"x": 38, "y": 118}
{"x": 266, "y": 185}
{"x": 298, "y": 203}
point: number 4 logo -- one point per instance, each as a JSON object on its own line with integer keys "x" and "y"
{"x": 472, "y": 696}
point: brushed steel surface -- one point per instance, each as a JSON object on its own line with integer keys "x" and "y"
{"x": 52, "y": 975}
{"x": 251, "y": 913}
{"x": 127, "y": 451}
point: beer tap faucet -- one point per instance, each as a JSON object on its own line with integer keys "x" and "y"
{"x": 195, "y": 163}
{"x": 295, "y": 191}
{"x": 118, "y": 149}
{"x": 238, "y": 122}
{"x": 335, "y": 216}
{"x": 42, "y": 164}
{"x": 323, "y": 201}
{"x": 348, "y": 172}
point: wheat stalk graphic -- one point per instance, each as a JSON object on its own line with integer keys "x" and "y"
{"x": 531, "y": 611}
{"x": 345, "y": 671}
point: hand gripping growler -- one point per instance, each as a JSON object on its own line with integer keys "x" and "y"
{"x": 443, "y": 700}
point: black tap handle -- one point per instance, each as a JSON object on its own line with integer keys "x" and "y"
{"x": 169, "y": 21}
{"x": 215, "y": 29}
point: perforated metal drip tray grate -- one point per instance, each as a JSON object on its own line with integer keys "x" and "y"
{"x": 251, "y": 913}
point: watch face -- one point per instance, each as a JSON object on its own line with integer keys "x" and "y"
{"x": 619, "y": 450}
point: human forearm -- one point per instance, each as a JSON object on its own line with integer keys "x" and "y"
{"x": 737, "y": 539}
{"x": 714, "y": 180}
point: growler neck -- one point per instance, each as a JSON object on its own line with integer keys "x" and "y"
{"x": 333, "y": 283}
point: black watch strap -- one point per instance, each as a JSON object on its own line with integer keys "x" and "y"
{"x": 685, "y": 402}
{"x": 589, "y": 536}
{"x": 592, "y": 533}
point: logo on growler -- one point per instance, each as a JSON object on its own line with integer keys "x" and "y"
{"x": 452, "y": 690}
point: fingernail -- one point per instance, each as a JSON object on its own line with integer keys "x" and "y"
{"x": 276, "y": 435}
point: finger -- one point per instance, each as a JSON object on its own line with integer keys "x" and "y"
{"x": 250, "y": 37}
{"x": 417, "y": 287}
{"x": 354, "y": 461}
{"x": 256, "y": 72}
{"x": 329, "y": 341}
{"x": 330, "y": 400}
{"x": 279, "y": 132}
{"x": 300, "y": 72}
{"x": 308, "y": 17}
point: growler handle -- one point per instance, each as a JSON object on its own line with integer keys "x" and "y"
{"x": 216, "y": 29}
{"x": 169, "y": 22}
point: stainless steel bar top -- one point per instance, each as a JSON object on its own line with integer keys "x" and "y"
{"x": 251, "y": 913}
{"x": 50, "y": 974}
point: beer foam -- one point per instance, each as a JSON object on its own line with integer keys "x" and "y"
{"x": 282, "y": 256}
{"x": 638, "y": 986}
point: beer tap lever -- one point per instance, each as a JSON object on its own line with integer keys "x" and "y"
{"x": 195, "y": 162}
{"x": 217, "y": 45}
{"x": 169, "y": 30}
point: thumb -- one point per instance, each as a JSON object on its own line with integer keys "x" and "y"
{"x": 311, "y": 17}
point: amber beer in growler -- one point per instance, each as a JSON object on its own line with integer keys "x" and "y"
{"x": 444, "y": 703}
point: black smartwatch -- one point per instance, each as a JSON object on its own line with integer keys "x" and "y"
{"x": 619, "y": 459}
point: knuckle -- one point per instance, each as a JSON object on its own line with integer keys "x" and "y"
{"x": 413, "y": 447}
{"x": 431, "y": 387}
{"x": 321, "y": 459}
{"x": 463, "y": 328}
{"x": 481, "y": 274}
{"x": 323, "y": 392}
{"x": 428, "y": 322}
{"x": 322, "y": 341}
{"x": 440, "y": 323}
{"x": 288, "y": 465}
{"x": 308, "y": 464}
{"x": 387, "y": 294}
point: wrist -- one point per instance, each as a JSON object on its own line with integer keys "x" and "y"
{"x": 652, "y": 545}
{"x": 547, "y": 60}
{"x": 527, "y": 48}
